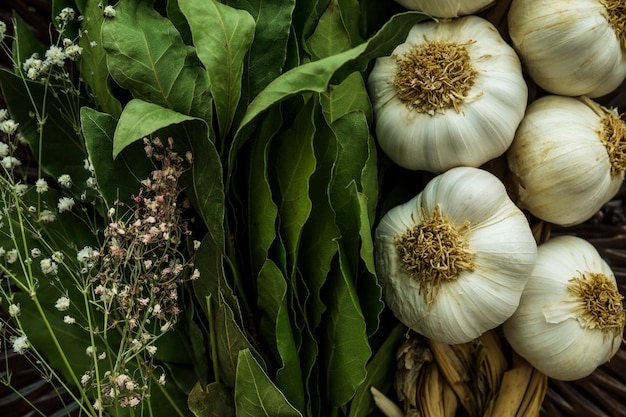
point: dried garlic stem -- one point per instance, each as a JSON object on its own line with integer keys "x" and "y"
{"x": 600, "y": 303}
{"x": 435, "y": 251}
{"x": 613, "y": 137}
{"x": 616, "y": 15}
{"x": 435, "y": 76}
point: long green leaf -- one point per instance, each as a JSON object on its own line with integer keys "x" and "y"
{"x": 92, "y": 64}
{"x": 231, "y": 340}
{"x": 295, "y": 163}
{"x": 316, "y": 76}
{"x": 140, "y": 119}
{"x": 222, "y": 36}
{"x": 331, "y": 35}
{"x": 267, "y": 54}
{"x": 216, "y": 400}
{"x": 255, "y": 393}
{"x": 345, "y": 344}
{"x": 278, "y": 330}
{"x": 146, "y": 55}
{"x": 118, "y": 178}
{"x": 380, "y": 373}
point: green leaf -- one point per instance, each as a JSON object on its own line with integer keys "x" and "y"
{"x": 294, "y": 164}
{"x": 222, "y": 36}
{"x": 255, "y": 393}
{"x": 231, "y": 340}
{"x": 146, "y": 55}
{"x": 177, "y": 17}
{"x": 278, "y": 331}
{"x": 380, "y": 374}
{"x": 203, "y": 182}
{"x": 316, "y": 76}
{"x": 345, "y": 345}
{"x": 92, "y": 64}
{"x": 267, "y": 54}
{"x": 25, "y": 43}
{"x": 350, "y": 95}
{"x": 216, "y": 400}
{"x": 140, "y": 119}
{"x": 331, "y": 36}
{"x": 262, "y": 212}
{"x": 118, "y": 178}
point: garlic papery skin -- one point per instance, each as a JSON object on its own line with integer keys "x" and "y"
{"x": 570, "y": 319}
{"x": 453, "y": 260}
{"x": 446, "y": 8}
{"x": 567, "y": 159}
{"x": 571, "y": 48}
{"x": 451, "y": 95}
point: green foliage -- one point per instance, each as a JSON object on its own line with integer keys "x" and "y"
{"x": 269, "y": 99}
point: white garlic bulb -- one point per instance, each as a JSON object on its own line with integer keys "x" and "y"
{"x": 567, "y": 159}
{"x": 446, "y": 8}
{"x": 571, "y": 48}
{"x": 570, "y": 319}
{"x": 453, "y": 260}
{"x": 451, "y": 95}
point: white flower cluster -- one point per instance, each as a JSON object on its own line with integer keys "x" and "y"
{"x": 3, "y": 30}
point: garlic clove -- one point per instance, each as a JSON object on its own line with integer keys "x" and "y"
{"x": 571, "y": 48}
{"x": 453, "y": 261}
{"x": 570, "y": 319}
{"x": 446, "y": 8}
{"x": 567, "y": 159}
{"x": 423, "y": 125}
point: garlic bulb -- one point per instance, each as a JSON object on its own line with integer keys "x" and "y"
{"x": 453, "y": 260}
{"x": 570, "y": 319}
{"x": 451, "y": 95}
{"x": 571, "y": 48}
{"x": 567, "y": 159}
{"x": 446, "y": 8}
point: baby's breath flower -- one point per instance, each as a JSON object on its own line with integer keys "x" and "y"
{"x": 195, "y": 275}
{"x": 55, "y": 56}
{"x": 66, "y": 15}
{"x": 20, "y": 344}
{"x": 46, "y": 216}
{"x": 151, "y": 350}
{"x": 48, "y": 266}
{"x": 14, "y": 310}
{"x": 93, "y": 44}
{"x": 84, "y": 379}
{"x": 69, "y": 320}
{"x": 10, "y": 162}
{"x": 91, "y": 182}
{"x": 89, "y": 351}
{"x": 4, "y": 114}
{"x": 3, "y": 30}
{"x": 87, "y": 165}
{"x": 162, "y": 379}
{"x": 41, "y": 186}
{"x": 109, "y": 11}
{"x": 62, "y": 304}
{"x": 35, "y": 252}
{"x": 4, "y": 149}
{"x": 2, "y": 253}
{"x": 73, "y": 52}
{"x": 57, "y": 257}
{"x": 65, "y": 181}
{"x": 65, "y": 204}
{"x": 9, "y": 126}
{"x": 12, "y": 256}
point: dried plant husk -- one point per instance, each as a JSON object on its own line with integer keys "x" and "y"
{"x": 482, "y": 378}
